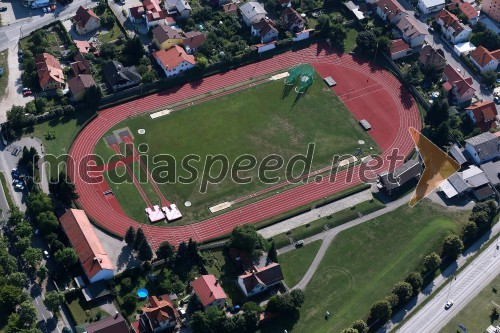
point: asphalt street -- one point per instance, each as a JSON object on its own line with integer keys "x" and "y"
{"x": 433, "y": 316}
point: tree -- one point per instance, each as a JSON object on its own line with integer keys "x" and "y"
{"x": 297, "y": 297}
{"x": 39, "y": 202}
{"x": 133, "y": 51}
{"x": 23, "y": 243}
{"x": 66, "y": 257}
{"x": 53, "y": 300}
{"x": 16, "y": 216}
{"x": 383, "y": 44}
{"x": 437, "y": 114}
{"x": 209, "y": 321}
{"x": 23, "y": 229}
{"x": 469, "y": 230}
{"x": 360, "y": 326}
{"x": 404, "y": 291}
{"x": 251, "y": 306}
{"x": 381, "y": 311}
{"x": 192, "y": 250}
{"x": 337, "y": 35}
{"x": 130, "y": 236}
{"x": 10, "y": 296}
{"x": 107, "y": 51}
{"x": 47, "y": 222}
{"x": 416, "y": 281}
{"x": 441, "y": 135}
{"x": 489, "y": 78}
{"x": 432, "y": 261}
{"x": 273, "y": 253}
{"x": 18, "y": 279}
{"x": 145, "y": 252}
{"x": 139, "y": 238}
{"x": 349, "y": 330}
{"x": 165, "y": 251}
{"x": 16, "y": 117}
{"x": 129, "y": 302}
{"x": 8, "y": 263}
{"x": 42, "y": 273}
{"x": 366, "y": 42}
{"x": 27, "y": 313}
{"x": 32, "y": 257}
{"x": 413, "y": 75}
{"x": 246, "y": 238}
{"x": 452, "y": 246}
{"x": 393, "y": 300}
{"x": 63, "y": 189}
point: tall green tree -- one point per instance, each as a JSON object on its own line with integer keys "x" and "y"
{"x": 404, "y": 291}
{"x": 432, "y": 261}
{"x": 247, "y": 238}
{"x": 165, "y": 251}
{"x": 130, "y": 236}
{"x": 272, "y": 254}
{"x": 139, "y": 238}
{"x": 32, "y": 257}
{"x": 53, "y": 300}
{"x": 416, "y": 281}
{"x": 452, "y": 246}
{"x": 145, "y": 252}
{"x": 27, "y": 313}
{"x": 66, "y": 257}
{"x": 360, "y": 326}
{"x": 42, "y": 273}
{"x": 381, "y": 311}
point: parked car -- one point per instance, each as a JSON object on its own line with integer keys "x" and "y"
{"x": 20, "y": 52}
{"x": 37, "y": 232}
{"x": 20, "y": 59}
{"x": 46, "y": 254}
{"x": 27, "y": 93}
{"x": 299, "y": 243}
{"x": 235, "y": 309}
{"x": 3, "y": 9}
{"x": 496, "y": 99}
{"x": 458, "y": 70}
{"x": 19, "y": 186}
{"x": 448, "y": 304}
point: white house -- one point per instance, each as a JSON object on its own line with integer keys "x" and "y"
{"x": 94, "y": 260}
{"x": 260, "y": 279}
{"x": 485, "y": 60}
{"x": 400, "y": 49}
{"x": 454, "y": 30}
{"x": 174, "y": 60}
{"x": 460, "y": 87}
{"x": 430, "y": 6}
{"x": 209, "y": 291}
{"x": 483, "y": 148}
{"x": 252, "y": 12}
{"x": 390, "y": 10}
{"x": 411, "y": 31}
{"x": 265, "y": 30}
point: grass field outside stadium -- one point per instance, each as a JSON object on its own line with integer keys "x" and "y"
{"x": 261, "y": 120}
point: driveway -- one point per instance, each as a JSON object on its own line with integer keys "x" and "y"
{"x": 13, "y": 95}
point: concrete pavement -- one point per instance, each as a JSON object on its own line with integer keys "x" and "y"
{"x": 461, "y": 289}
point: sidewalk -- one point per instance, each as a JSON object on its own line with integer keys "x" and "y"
{"x": 316, "y": 213}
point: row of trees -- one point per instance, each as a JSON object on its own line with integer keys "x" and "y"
{"x": 481, "y": 219}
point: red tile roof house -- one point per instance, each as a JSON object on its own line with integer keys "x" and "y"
{"x": 432, "y": 57}
{"x": 209, "y": 291}
{"x": 115, "y": 324}
{"x": 174, "y": 60}
{"x": 78, "y": 86}
{"x": 193, "y": 40}
{"x": 292, "y": 20}
{"x": 484, "y": 60}
{"x": 469, "y": 11}
{"x": 411, "y": 31}
{"x": 137, "y": 14}
{"x": 452, "y": 28}
{"x": 230, "y": 8}
{"x": 160, "y": 314}
{"x": 260, "y": 279}
{"x": 390, "y": 10}
{"x": 94, "y": 260}
{"x": 400, "y": 49}
{"x": 460, "y": 87}
{"x": 86, "y": 21}
{"x": 484, "y": 115}
{"x": 265, "y": 30}
{"x": 50, "y": 74}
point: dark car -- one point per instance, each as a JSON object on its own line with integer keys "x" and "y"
{"x": 20, "y": 52}
{"x": 3, "y": 9}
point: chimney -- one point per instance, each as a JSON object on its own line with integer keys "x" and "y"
{"x": 116, "y": 314}
{"x": 216, "y": 282}
{"x": 253, "y": 8}
{"x": 211, "y": 293}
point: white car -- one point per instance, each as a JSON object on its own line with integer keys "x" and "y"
{"x": 448, "y": 304}
{"x": 458, "y": 70}
{"x": 46, "y": 254}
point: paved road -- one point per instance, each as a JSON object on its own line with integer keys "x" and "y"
{"x": 329, "y": 235}
{"x": 432, "y": 317}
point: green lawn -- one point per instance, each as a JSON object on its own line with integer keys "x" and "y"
{"x": 331, "y": 221}
{"x": 296, "y": 262}
{"x": 78, "y": 307}
{"x": 364, "y": 262}
{"x": 257, "y": 121}
{"x": 476, "y": 315}
{"x": 350, "y": 41}
{"x": 4, "y": 79}
{"x": 106, "y": 36}
{"x": 5, "y": 188}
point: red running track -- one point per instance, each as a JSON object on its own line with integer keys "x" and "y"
{"x": 369, "y": 92}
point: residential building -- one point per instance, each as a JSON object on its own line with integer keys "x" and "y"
{"x": 460, "y": 87}
{"x": 166, "y": 37}
{"x": 120, "y": 77}
{"x": 230, "y": 8}
{"x": 292, "y": 20}
{"x": 159, "y": 314}
{"x": 463, "y": 48}
{"x": 483, "y": 114}
{"x": 483, "y": 148}
{"x": 457, "y": 153}
{"x": 137, "y": 14}
{"x": 400, "y": 49}
{"x": 430, "y": 6}
{"x": 492, "y": 9}
{"x": 154, "y": 15}
{"x": 174, "y": 61}
{"x": 252, "y": 12}
{"x": 179, "y": 7}
{"x": 83, "y": 46}
{"x": 485, "y": 60}
{"x": 260, "y": 279}
{"x": 392, "y": 182}
{"x": 50, "y": 74}
{"x": 492, "y": 171}
{"x": 469, "y": 11}
{"x": 390, "y": 10}
{"x": 192, "y": 41}
{"x": 79, "y": 85}
{"x": 111, "y": 324}
{"x": 451, "y": 27}
{"x": 412, "y": 31}
{"x": 432, "y": 57}
{"x": 86, "y": 21}
{"x": 472, "y": 179}
{"x": 265, "y": 30}
{"x": 209, "y": 291}
{"x": 94, "y": 260}
{"x": 80, "y": 65}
